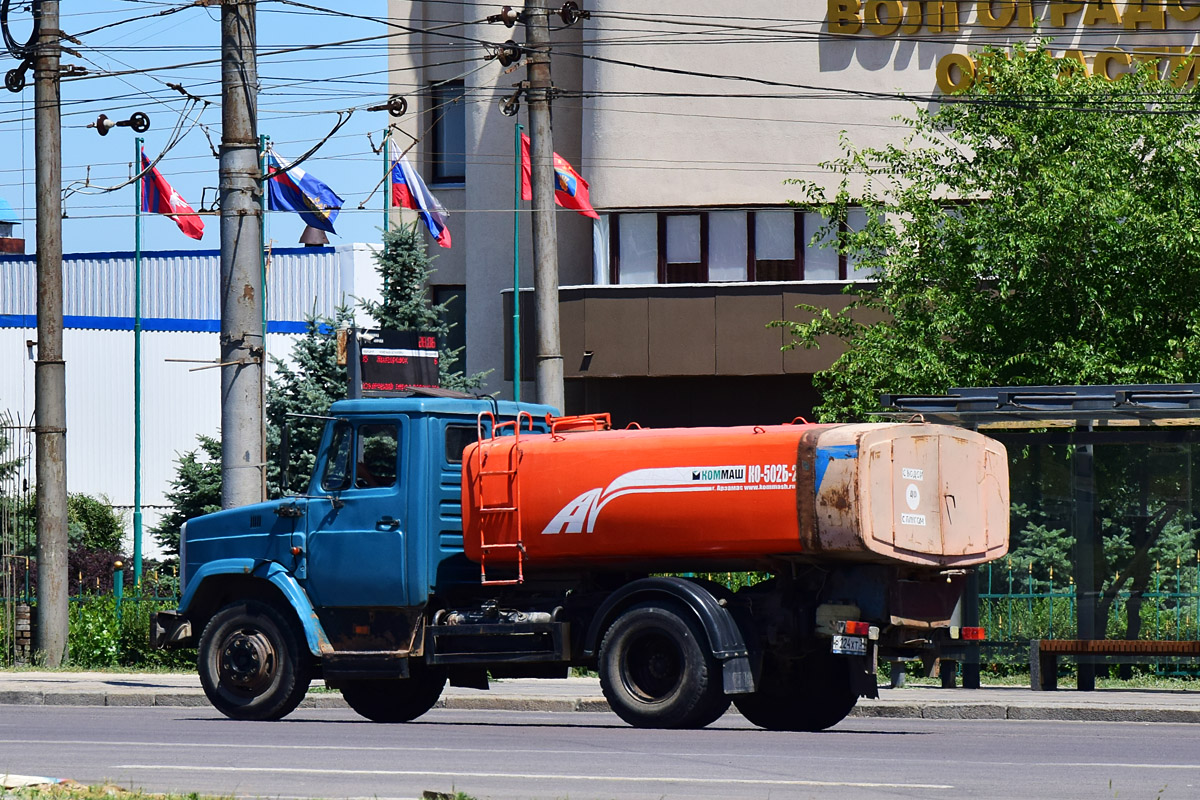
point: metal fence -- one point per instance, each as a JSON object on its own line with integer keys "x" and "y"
{"x": 18, "y": 533}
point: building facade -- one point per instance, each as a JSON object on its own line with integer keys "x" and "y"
{"x": 689, "y": 119}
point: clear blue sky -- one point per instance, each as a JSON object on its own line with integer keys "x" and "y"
{"x": 300, "y": 92}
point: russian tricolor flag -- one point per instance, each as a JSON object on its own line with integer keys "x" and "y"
{"x": 292, "y": 189}
{"x": 409, "y": 191}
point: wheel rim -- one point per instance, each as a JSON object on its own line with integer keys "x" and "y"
{"x": 247, "y": 661}
{"x": 652, "y": 667}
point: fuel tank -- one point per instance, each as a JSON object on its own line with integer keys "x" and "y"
{"x": 671, "y": 498}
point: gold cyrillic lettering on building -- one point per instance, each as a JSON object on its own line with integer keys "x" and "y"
{"x": 1059, "y": 12}
{"x": 1148, "y": 12}
{"x": 913, "y": 17}
{"x": 1184, "y": 12}
{"x": 844, "y": 16}
{"x": 1185, "y": 67}
{"x": 1101, "y": 11}
{"x": 991, "y": 17}
{"x": 1100, "y": 64}
{"x": 942, "y": 16}
{"x": 1077, "y": 55}
{"x": 955, "y": 72}
{"x": 883, "y": 17}
{"x": 1154, "y": 56}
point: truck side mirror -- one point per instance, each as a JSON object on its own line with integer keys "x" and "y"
{"x": 284, "y": 456}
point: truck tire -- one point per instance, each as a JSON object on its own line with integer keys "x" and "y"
{"x": 253, "y": 662}
{"x": 818, "y": 696}
{"x": 657, "y": 672}
{"x": 398, "y": 699}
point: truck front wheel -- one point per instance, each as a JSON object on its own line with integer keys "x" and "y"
{"x": 816, "y": 696}
{"x": 253, "y": 663}
{"x": 399, "y": 699}
{"x": 657, "y": 672}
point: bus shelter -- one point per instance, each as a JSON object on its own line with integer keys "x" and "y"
{"x": 1103, "y": 490}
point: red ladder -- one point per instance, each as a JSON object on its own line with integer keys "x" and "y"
{"x": 508, "y": 507}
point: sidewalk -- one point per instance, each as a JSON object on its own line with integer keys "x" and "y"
{"x": 583, "y": 694}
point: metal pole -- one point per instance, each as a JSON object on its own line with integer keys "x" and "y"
{"x": 516, "y": 312}
{"x": 266, "y": 299}
{"x": 242, "y": 347}
{"x": 137, "y": 367}
{"x": 545, "y": 232}
{"x": 1085, "y": 556}
{"x": 118, "y": 587}
{"x": 50, "y": 385}
{"x": 387, "y": 171}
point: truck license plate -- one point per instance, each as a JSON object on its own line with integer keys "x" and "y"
{"x": 850, "y": 645}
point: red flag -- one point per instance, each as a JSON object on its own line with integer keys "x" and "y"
{"x": 570, "y": 189}
{"x": 159, "y": 198}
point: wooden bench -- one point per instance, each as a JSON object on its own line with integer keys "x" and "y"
{"x": 1044, "y": 653}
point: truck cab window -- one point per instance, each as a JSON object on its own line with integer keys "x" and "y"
{"x": 376, "y": 462}
{"x": 336, "y": 475}
{"x": 457, "y": 439}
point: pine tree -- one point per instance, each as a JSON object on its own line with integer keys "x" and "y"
{"x": 404, "y": 266}
{"x": 195, "y": 490}
{"x": 308, "y": 385}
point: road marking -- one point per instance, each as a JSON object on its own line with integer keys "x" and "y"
{"x": 535, "y": 776}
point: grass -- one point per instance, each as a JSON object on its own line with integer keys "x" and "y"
{"x": 70, "y": 790}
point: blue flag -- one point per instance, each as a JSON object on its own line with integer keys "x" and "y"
{"x": 293, "y": 189}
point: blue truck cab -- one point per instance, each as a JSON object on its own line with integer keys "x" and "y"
{"x": 337, "y": 581}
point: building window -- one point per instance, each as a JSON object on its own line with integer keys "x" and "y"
{"x": 449, "y": 136}
{"x": 455, "y": 316}
{"x": 727, "y": 246}
{"x": 775, "y": 246}
{"x": 685, "y": 246}
{"x": 724, "y": 245}
{"x": 636, "y": 238}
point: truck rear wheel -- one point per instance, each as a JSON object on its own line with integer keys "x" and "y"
{"x": 657, "y": 672}
{"x": 253, "y": 662}
{"x": 817, "y": 696}
{"x": 398, "y": 699}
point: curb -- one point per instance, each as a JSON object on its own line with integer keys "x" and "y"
{"x": 940, "y": 711}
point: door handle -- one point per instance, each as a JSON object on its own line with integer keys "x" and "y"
{"x": 388, "y": 523}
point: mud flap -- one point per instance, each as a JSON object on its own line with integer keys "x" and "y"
{"x": 737, "y": 676}
{"x": 863, "y": 679}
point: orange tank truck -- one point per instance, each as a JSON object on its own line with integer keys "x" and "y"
{"x": 444, "y": 538}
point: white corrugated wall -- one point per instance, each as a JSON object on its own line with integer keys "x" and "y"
{"x": 180, "y": 291}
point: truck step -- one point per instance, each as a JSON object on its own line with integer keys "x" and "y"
{"x": 354, "y": 664}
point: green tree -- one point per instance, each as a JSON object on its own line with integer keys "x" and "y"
{"x": 309, "y": 384}
{"x": 195, "y": 490}
{"x": 93, "y": 524}
{"x": 404, "y": 267}
{"x": 1038, "y": 229}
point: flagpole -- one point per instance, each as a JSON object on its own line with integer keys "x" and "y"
{"x": 387, "y": 169}
{"x": 516, "y": 316}
{"x": 137, "y": 367}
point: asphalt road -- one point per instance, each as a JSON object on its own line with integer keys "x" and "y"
{"x": 329, "y": 753}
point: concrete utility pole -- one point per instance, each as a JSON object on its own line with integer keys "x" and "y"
{"x": 49, "y": 377}
{"x": 549, "y": 373}
{"x": 243, "y": 472}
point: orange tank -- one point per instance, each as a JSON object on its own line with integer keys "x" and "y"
{"x": 675, "y": 498}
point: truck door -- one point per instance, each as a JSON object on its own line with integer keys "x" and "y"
{"x": 357, "y": 517}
